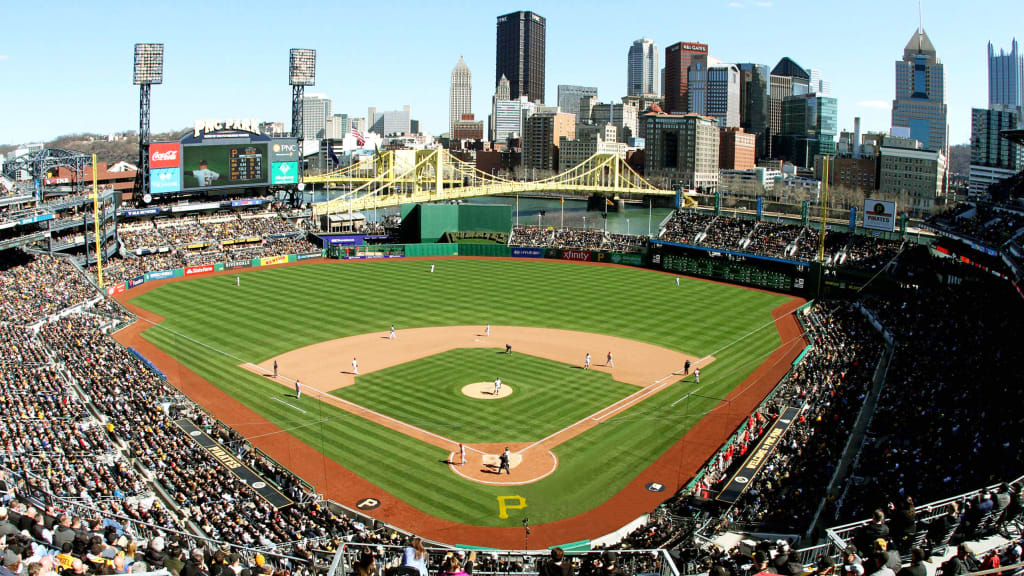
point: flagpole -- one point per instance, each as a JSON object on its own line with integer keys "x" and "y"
{"x": 561, "y": 218}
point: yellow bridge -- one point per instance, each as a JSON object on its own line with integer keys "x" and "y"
{"x": 391, "y": 178}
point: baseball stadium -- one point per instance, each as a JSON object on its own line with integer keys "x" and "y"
{"x": 249, "y": 361}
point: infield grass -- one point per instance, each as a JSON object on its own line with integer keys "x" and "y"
{"x": 428, "y": 391}
{"x": 212, "y": 326}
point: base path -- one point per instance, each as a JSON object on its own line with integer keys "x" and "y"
{"x": 327, "y": 366}
{"x": 675, "y": 468}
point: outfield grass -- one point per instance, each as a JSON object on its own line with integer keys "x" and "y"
{"x": 212, "y": 326}
{"x": 426, "y": 392}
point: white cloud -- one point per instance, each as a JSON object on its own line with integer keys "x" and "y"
{"x": 876, "y": 104}
{"x": 3, "y": 57}
{"x": 736, "y": 4}
{"x": 763, "y": 4}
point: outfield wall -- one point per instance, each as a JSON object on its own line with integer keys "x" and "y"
{"x": 190, "y": 271}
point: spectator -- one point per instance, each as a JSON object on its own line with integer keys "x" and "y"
{"x": 556, "y": 564}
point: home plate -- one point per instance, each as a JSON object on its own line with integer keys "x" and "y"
{"x": 494, "y": 460}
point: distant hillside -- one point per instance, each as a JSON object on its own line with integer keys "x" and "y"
{"x": 126, "y": 149}
{"x": 960, "y": 159}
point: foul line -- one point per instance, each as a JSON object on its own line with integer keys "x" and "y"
{"x": 287, "y": 404}
{"x": 613, "y": 409}
{"x": 330, "y": 399}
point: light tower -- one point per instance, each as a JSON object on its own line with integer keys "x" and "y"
{"x": 149, "y": 70}
{"x": 301, "y": 73}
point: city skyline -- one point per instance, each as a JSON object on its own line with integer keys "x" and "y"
{"x": 238, "y": 73}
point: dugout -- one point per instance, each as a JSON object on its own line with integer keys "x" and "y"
{"x": 427, "y": 223}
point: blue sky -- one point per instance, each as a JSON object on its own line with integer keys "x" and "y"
{"x": 66, "y": 66}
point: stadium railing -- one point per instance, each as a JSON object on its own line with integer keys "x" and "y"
{"x": 837, "y": 537}
{"x": 654, "y": 562}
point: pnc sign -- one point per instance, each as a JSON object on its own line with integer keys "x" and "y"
{"x": 243, "y": 124}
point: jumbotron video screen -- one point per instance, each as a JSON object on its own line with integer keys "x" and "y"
{"x": 225, "y": 165}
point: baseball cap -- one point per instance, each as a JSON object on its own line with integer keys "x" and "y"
{"x": 11, "y": 557}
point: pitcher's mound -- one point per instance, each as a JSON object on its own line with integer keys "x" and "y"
{"x": 485, "y": 390}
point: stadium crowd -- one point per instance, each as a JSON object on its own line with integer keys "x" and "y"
{"x": 829, "y": 387}
{"x": 778, "y": 240}
{"x": 37, "y": 286}
{"x": 989, "y": 223}
{"x": 948, "y": 418}
{"x": 577, "y": 239}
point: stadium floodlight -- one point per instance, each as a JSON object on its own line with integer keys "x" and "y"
{"x": 302, "y": 67}
{"x": 149, "y": 64}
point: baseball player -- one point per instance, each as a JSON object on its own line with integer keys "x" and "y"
{"x": 586, "y": 362}
{"x": 462, "y": 453}
{"x": 508, "y": 349}
{"x": 487, "y": 330}
{"x": 686, "y": 368}
{"x": 677, "y": 281}
{"x": 355, "y": 366}
{"x": 275, "y": 368}
{"x": 431, "y": 268}
{"x": 392, "y": 335}
{"x": 497, "y": 386}
{"x": 298, "y": 389}
{"x": 238, "y": 281}
{"x": 696, "y": 375}
{"x": 504, "y": 459}
{"x": 204, "y": 175}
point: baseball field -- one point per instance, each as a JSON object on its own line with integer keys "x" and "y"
{"x": 591, "y": 448}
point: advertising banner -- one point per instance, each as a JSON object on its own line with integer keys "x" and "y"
{"x": 309, "y": 256}
{"x": 165, "y": 180}
{"x": 116, "y": 289}
{"x": 271, "y": 260}
{"x": 164, "y": 155}
{"x": 195, "y": 270}
{"x": 56, "y": 181}
{"x": 196, "y": 206}
{"x": 233, "y": 264}
{"x": 218, "y": 267}
{"x": 150, "y": 276}
{"x": 619, "y": 258}
{"x": 880, "y": 215}
{"x": 853, "y": 219}
{"x": 758, "y": 457}
{"x": 284, "y": 150}
{"x": 142, "y": 212}
{"x": 136, "y": 281}
{"x": 254, "y": 202}
{"x": 284, "y": 173}
{"x": 577, "y": 255}
{"x": 351, "y": 240}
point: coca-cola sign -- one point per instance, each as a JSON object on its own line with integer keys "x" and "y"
{"x": 165, "y": 155}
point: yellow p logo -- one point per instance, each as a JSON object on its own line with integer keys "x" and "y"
{"x": 506, "y": 503}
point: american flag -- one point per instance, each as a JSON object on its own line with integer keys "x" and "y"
{"x": 359, "y": 137}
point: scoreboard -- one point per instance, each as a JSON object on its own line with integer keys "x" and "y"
{"x": 245, "y": 163}
{"x": 222, "y": 165}
{"x": 224, "y": 158}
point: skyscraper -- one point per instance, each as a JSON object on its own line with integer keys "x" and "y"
{"x": 502, "y": 93}
{"x": 316, "y": 110}
{"x": 715, "y": 92}
{"x": 920, "y": 103}
{"x": 754, "y": 104}
{"x": 678, "y": 59}
{"x": 642, "y": 68}
{"x": 569, "y": 98}
{"x": 1005, "y": 77}
{"x": 520, "y": 54}
{"x": 460, "y": 99}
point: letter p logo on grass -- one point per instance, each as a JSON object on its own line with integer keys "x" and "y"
{"x": 506, "y": 503}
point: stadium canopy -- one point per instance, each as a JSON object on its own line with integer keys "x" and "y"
{"x": 38, "y": 164}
